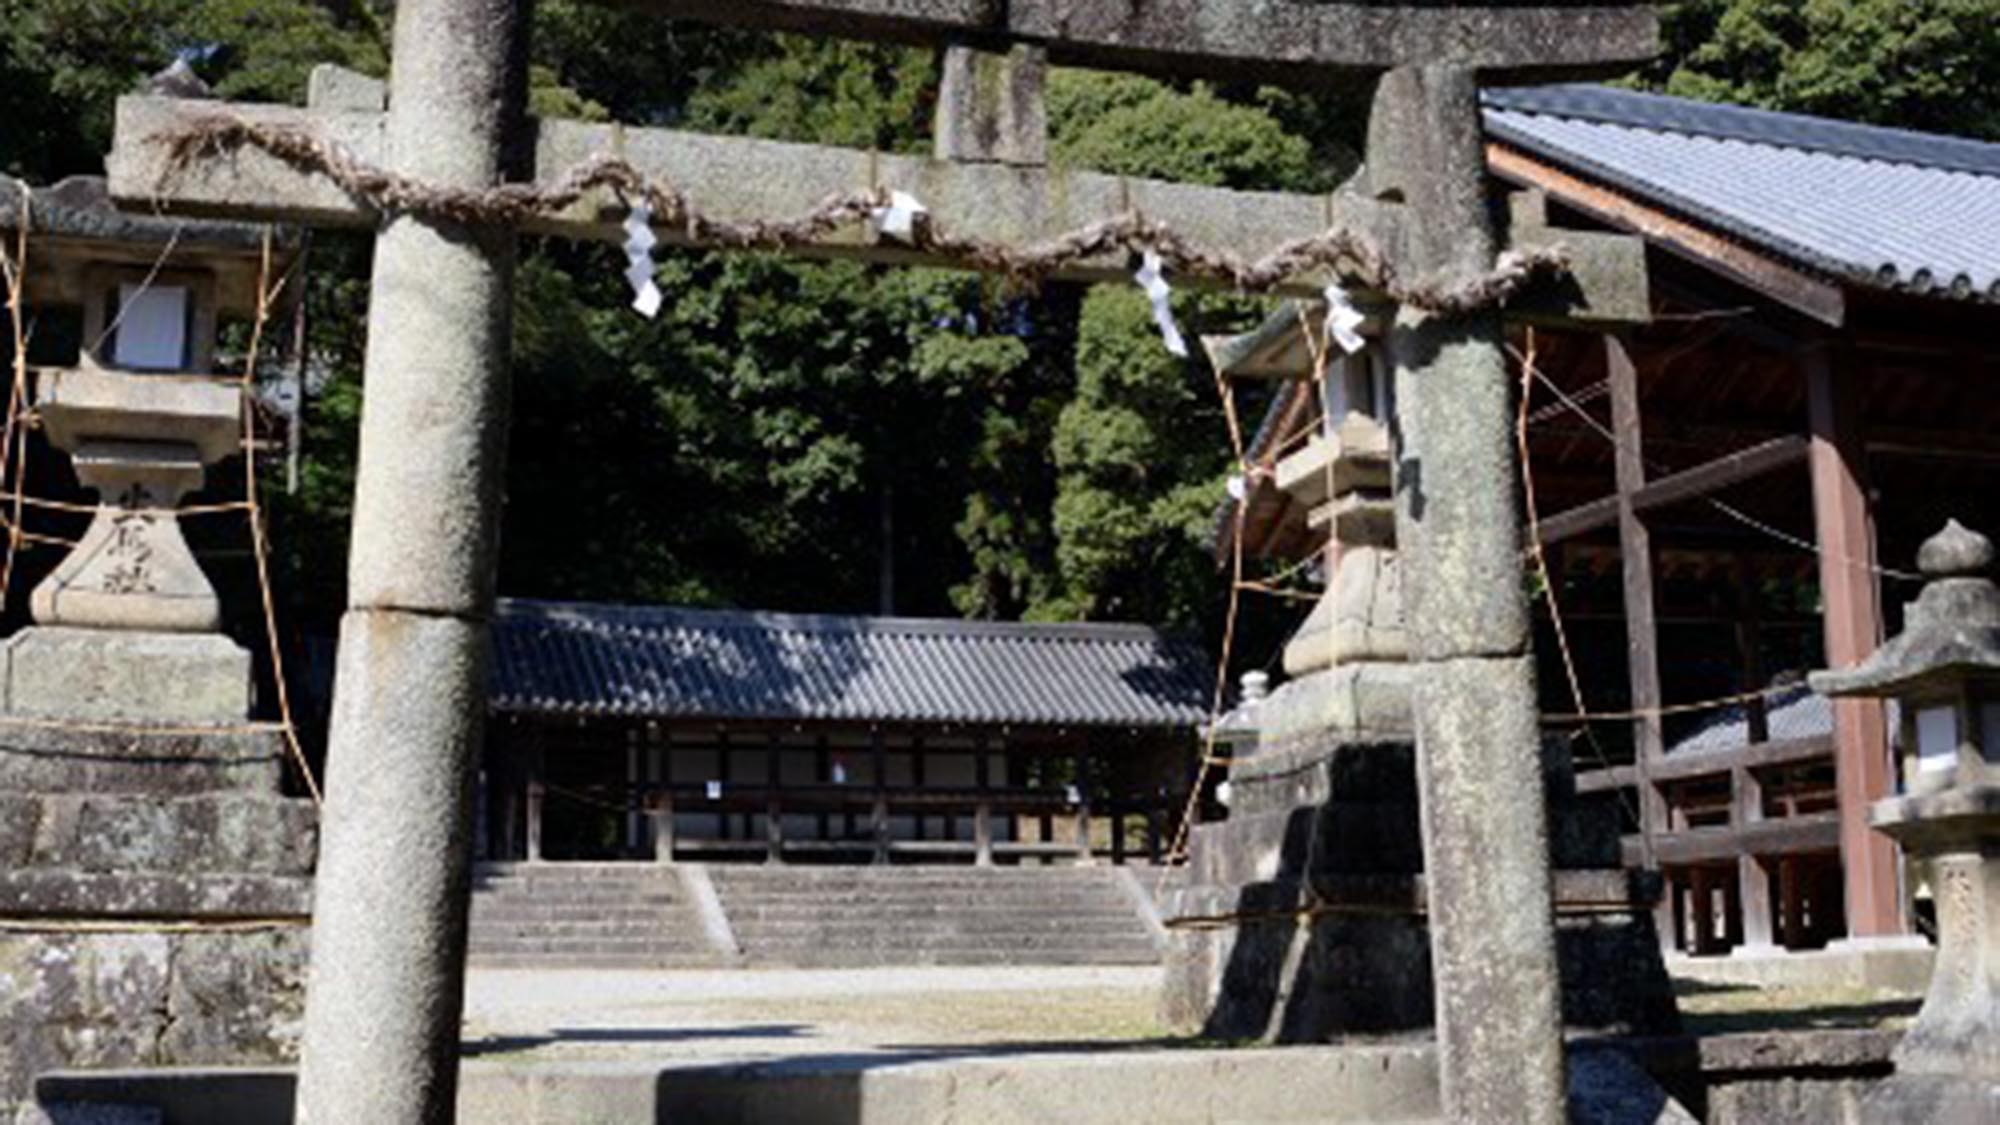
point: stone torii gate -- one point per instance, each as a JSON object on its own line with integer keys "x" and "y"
{"x": 388, "y": 937}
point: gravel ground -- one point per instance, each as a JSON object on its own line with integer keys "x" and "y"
{"x": 703, "y": 1018}
{"x": 711, "y": 1017}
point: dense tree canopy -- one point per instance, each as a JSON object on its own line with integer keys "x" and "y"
{"x": 1918, "y": 64}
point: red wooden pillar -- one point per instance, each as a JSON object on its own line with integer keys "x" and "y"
{"x": 1642, "y": 634}
{"x": 1635, "y": 543}
{"x": 1851, "y": 600}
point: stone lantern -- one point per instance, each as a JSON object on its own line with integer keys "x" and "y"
{"x": 1944, "y": 671}
{"x": 127, "y": 627}
{"x": 1304, "y": 915}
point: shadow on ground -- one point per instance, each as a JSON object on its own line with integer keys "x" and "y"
{"x": 508, "y": 1044}
{"x": 1721, "y": 1009}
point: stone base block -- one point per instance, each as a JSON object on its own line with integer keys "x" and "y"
{"x": 106, "y": 675}
{"x": 1353, "y": 701}
{"x": 140, "y": 833}
{"x": 44, "y": 761}
{"x": 1271, "y": 973}
{"x": 100, "y": 1000}
{"x": 1304, "y": 915}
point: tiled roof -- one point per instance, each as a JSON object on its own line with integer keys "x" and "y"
{"x": 650, "y": 662}
{"x": 1878, "y": 207}
{"x": 1797, "y": 713}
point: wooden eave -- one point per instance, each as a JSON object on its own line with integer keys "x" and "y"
{"x": 1801, "y": 290}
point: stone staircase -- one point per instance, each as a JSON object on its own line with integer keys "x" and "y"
{"x": 892, "y": 916}
{"x": 587, "y": 916}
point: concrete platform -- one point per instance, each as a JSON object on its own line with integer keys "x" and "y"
{"x": 1379, "y": 1084}
{"x": 1899, "y": 965}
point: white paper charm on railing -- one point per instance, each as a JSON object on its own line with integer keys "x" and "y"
{"x": 899, "y": 219}
{"x": 1239, "y": 488}
{"x": 1152, "y": 278}
{"x": 1343, "y": 320}
{"x": 639, "y": 243}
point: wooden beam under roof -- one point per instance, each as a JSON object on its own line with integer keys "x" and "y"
{"x": 1789, "y": 285}
{"x": 1689, "y": 484}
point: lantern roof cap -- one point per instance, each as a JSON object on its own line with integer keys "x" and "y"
{"x": 79, "y": 210}
{"x": 1951, "y": 632}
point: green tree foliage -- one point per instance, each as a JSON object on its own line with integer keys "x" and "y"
{"x": 1139, "y": 127}
{"x": 64, "y": 62}
{"x": 784, "y": 425}
{"x": 1918, "y": 64}
{"x": 1142, "y": 449}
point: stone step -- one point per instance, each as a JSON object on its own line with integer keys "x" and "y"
{"x": 553, "y": 905}
{"x": 580, "y": 945}
{"x": 557, "y": 917}
{"x": 994, "y": 924}
{"x": 925, "y": 907}
{"x": 919, "y": 894}
{"x": 579, "y": 885}
{"x": 840, "y": 959}
{"x": 586, "y": 892}
{"x": 995, "y": 930}
{"x": 852, "y": 935}
{"x": 792, "y": 872}
{"x": 827, "y": 956}
{"x": 568, "y": 870}
{"x": 549, "y": 961}
{"x": 904, "y": 871}
{"x": 1136, "y": 951}
{"x": 667, "y": 931}
{"x": 634, "y": 925}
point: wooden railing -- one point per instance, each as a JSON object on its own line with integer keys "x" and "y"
{"x": 874, "y": 811}
{"x": 1743, "y": 808}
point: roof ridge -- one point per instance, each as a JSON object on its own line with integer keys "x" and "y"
{"x": 623, "y": 614}
{"x": 1668, "y": 113}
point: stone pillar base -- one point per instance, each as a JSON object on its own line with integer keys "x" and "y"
{"x": 1937, "y": 1099}
{"x": 1304, "y": 916}
{"x": 107, "y": 675}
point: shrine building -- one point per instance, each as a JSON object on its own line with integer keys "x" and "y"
{"x": 1715, "y": 491}
{"x": 635, "y": 732}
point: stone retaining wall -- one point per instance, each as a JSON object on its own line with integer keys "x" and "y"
{"x": 102, "y": 1000}
{"x": 154, "y": 895}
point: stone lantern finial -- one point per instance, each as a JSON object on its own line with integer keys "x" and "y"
{"x": 1955, "y": 552}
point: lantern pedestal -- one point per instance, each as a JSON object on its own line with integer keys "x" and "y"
{"x": 1944, "y": 672}
{"x": 127, "y": 626}
{"x": 1948, "y": 1065}
{"x": 128, "y": 676}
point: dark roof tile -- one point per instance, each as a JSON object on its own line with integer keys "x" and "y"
{"x": 1876, "y": 207}
{"x": 708, "y": 664}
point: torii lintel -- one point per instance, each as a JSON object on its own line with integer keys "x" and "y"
{"x": 746, "y": 178}
{"x": 1263, "y": 40}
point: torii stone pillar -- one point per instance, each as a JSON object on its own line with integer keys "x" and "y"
{"x": 1484, "y": 815}
{"x": 388, "y": 943}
